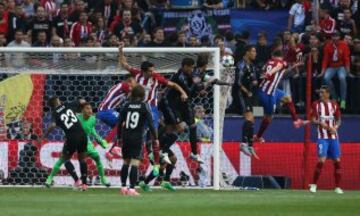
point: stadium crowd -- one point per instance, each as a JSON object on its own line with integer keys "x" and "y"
{"x": 333, "y": 39}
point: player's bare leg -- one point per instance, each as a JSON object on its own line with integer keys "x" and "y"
{"x": 317, "y": 173}
{"x": 124, "y": 176}
{"x": 263, "y": 126}
{"x": 287, "y": 101}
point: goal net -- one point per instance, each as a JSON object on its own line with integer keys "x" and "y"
{"x": 30, "y": 76}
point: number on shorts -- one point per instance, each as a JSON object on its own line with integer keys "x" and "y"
{"x": 132, "y": 120}
{"x": 68, "y": 118}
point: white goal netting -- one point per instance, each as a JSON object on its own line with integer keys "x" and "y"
{"x": 29, "y": 76}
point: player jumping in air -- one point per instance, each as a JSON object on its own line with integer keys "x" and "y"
{"x": 269, "y": 95}
{"x": 88, "y": 122}
{"x": 151, "y": 81}
{"x": 245, "y": 84}
{"x": 134, "y": 117}
{"x": 326, "y": 115}
{"x": 75, "y": 139}
{"x": 176, "y": 111}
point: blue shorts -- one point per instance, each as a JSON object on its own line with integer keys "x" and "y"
{"x": 269, "y": 102}
{"x": 155, "y": 116}
{"x": 329, "y": 148}
{"x": 110, "y": 117}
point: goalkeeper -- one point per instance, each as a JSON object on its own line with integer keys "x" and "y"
{"x": 88, "y": 122}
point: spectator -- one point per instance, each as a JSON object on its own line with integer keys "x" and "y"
{"x": 61, "y": 24}
{"x": 181, "y": 39}
{"x": 4, "y": 19}
{"x": 338, "y": 10}
{"x": 81, "y": 29}
{"x": 101, "y": 30}
{"x": 215, "y": 4}
{"x": 193, "y": 41}
{"x": 2, "y": 40}
{"x": 145, "y": 41}
{"x": 326, "y": 24}
{"x": 79, "y": 8}
{"x": 296, "y": 22}
{"x": 347, "y": 25}
{"x": 16, "y": 21}
{"x": 41, "y": 40}
{"x": 107, "y": 8}
{"x": 263, "y": 50}
{"x": 205, "y": 41}
{"x": 130, "y": 41}
{"x": 127, "y": 26}
{"x": 17, "y": 59}
{"x": 242, "y": 42}
{"x": 336, "y": 61}
{"x": 204, "y": 132}
{"x": 50, "y": 8}
{"x": 29, "y": 9}
{"x": 159, "y": 38}
{"x": 40, "y": 23}
{"x": 230, "y": 40}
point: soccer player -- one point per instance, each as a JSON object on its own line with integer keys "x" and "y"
{"x": 269, "y": 95}
{"x": 176, "y": 111}
{"x": 134, "y": 116}
{"x": 75, "y": 138}
{"x": 245, "y": 84}
{"x": 151, "y": 81}
{"x": 326, "y": 115}
{"x": 113, "y": 99}
{"x": 88, "y": 122}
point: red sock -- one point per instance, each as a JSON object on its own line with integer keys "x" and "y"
{"x": 292, "y": 110}
{"x": 337, "y": 173}
{"x": 156, "y": 154}
{"x": 110, "y": 137}
{"x": 317, "y": 172}
{"x": 264, "y": 124}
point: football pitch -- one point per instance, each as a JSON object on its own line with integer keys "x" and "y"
{"x": 108, "y": 202}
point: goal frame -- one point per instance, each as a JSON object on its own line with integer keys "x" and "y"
{"x": 217, "y": 140}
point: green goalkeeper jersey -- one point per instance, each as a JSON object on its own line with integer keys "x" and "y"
{"x": 89, "y": 128}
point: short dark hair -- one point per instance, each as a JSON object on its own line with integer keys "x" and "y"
{"x": 277, "y": 53}
{"x": 157, "y": 29}
{"x": 187, "y": 62}
{"x": 202, "y": 60}
{"x": 146, "y": 65}
{"x": 83, "y": 105}
{"x": 52, "y": 101}
{"x": 248, "y": 48}
{"x": 326, "y": 88}
{"x": 138, "y": 93}
{"x": 19, "y": 30}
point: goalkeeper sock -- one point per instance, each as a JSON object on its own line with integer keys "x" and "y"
{"x": 317, "y": 172}
{"x": 292, "y": 110}
{"x": 83, "y": 171}
{"x": 337, "y": 173}
{"x": 169, "y": 170}
{"x": 100, "y": 168}
{"x": 133, "y": 176}
{"x": 124, "y": 174}
{"x": 71, "y": 170}
{"x": 193, "y": 139}
{"x": 264, "y": 124}
{"x": 248, "y": 132}
{"x": 55, "y": 169}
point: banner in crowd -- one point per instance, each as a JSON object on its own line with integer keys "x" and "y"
{"x": 197, "y": 22}
{"x": 276, "y": 159}
{"x": 21, "y": 98}
{"x": 256, "y": 21}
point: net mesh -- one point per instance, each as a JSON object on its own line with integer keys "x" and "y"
{"x": 28, "y": 79}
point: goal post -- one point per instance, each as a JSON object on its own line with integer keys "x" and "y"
{"x": 73, "y": 71}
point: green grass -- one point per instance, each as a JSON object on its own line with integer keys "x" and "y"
{"x": 108, "y": 202}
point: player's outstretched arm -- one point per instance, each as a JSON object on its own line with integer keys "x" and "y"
{"x": 97, "y": 137}
{"x": 122, "y": 58}
{"x": 178, "y": 88}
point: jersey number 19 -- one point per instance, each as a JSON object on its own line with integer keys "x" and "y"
{"x": 132, "y": 120}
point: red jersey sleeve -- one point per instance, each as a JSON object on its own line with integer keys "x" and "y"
{"x": 161, "y": 79}
{"x": 125, "y": 87}
{"x": 134, "y": 71}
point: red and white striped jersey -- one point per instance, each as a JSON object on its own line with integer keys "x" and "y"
{"x": 115, "y": 96}
{"x": 328, "y": 113}
{"x": 150, "y": 85}
{"x": 271, "y": 81}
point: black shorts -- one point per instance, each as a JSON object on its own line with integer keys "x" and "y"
{"x": 75, "y": 143}
{"x": 246, "y": 103}
{"x": 177, "y": 112}
{"x": 132, "y": 148}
